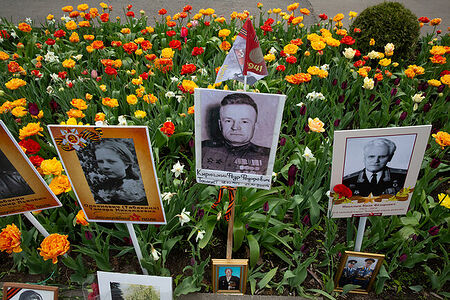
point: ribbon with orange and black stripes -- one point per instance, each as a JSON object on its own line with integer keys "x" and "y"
{"x": 231, "y": 195}
{"x": 11, "y": 292}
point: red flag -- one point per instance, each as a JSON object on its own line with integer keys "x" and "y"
{"x": 254, "y": 59}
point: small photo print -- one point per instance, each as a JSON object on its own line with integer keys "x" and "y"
{"x": 236, "y": 137}
{"x": 22, "y": 188}
{"x": 118, "y": 286}
{"x": 359, "y": 269}
{"x": 229, "y": 275}
{"x": 112, "y": 172}
{"x": 21, "y": 291}
{"x": 374, "y": 171}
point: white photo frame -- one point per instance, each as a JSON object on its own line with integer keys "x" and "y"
{"x": 127, "y": 284}
{"x": 249, "y": 159}
{"x": 395, "y": 177}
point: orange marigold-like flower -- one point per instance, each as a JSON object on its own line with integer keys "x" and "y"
{"x": 191, "y": 110}
{"x": 168, "y": 128}
{"x": 84, "y": 24}
{"x": 67, "y": 9}
{"x": 446, "y": 79}
{"x": 338, "y": 17}
{"x": 51, "y": 167}
{"x": 71, "y": 25}
{"x": 79, "y": 103}
{"x": 53, "y": 246}
{"x": 163, "y": 64}
{"x": 15, "y": 83}
{"x": 410, "y": 73}
{"x": 81, "y": 218}
{"x": 60, "y": 184}
{"x": 97, "y": 45}
{"x": 100, "y": 117}
{"x": 442, "y": 138}
{"x": 30, "y": 129}
{"x": 150, "y": 98}
{"x": 435, "y": 21}
{"x": 293, "y": 6}
{"x": 24, "y": 27}
{"x": 83, "y": 7}
{"x": 19, "y": 111}
{"x": 4, "y": 55}
{"x": 438, "y": 59}
{"x": 75, "y": 113}
{"x": 297, "y": 42}
{"x": 305, "y": 11}
{"x": 298, "y": 78}
{"x": 318, "y": 45}
{"x": 315, "y": 125}
{"x": 189, "y": 86}
{"x": 225, "y": 46}
{"x": 438, "y": 50}
{"x": 10, "y": 239}
{"x": 68, "y": 63}
{"x": 111, "y": 102}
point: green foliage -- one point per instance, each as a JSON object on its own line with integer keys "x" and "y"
{"x": 387, "y": 22}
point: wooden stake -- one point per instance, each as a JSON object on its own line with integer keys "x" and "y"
{"x": 230, "y": 232}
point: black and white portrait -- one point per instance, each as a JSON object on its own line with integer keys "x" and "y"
{"x": 112, "y": 171}
{"x": 237, "y": 131}
{"x": 23, "y": 291}
{"x": 377, "y": 165}
{"x": 12, "y": 184}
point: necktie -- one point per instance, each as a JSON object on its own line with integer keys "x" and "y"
{"x": 373, "y": 180}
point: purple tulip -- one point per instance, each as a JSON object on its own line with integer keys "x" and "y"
{"x": 403, "y": 116}
{"x": 54, "y": 105}
{"x": 88, "y": 235}
{"x": 337, "y": 122}
{"x": 372, "y": 97}
{"x": 33, "y": 109}
{"x": 398, "y": 101}
{"x": 306, "y": 128}
{"x": 200, "y": 213}
{"x": 397, "y": 81}
{"x": 282, "y": 141}
{"x": 306, "y": 220}
{"x": 440, "y": 88}
{"x": 266, "y": 206}
{"x": 393, "y": 92}
{"x": 434, "y": 230}
{"x": 303, "y": 110}
{"x": 334, "y": 82}
{"x": 246, "y": 226}
{"x": 435, "y": 162}
{"x": 344, "y": 85}
{"x": 127, "y": 240}
{"x": 375, "y": 81}
{"x": 292, "y": 172}
{"x": 341, "y": 98}
{"x": 413, "y": 237}
{"x": 191, "y": 143}
{"x": 192, "y": 261}
{"x": 94, "y": 74}
{"x": 304, "y": 248}
{"x": 426, "y": 107}
{"x": 402, "y": 257}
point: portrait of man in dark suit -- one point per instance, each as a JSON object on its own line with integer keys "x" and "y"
{"x": 12, "y": 184}
{"x": 228, "y": 281}
{"x": 376, "y": 178}
{"x": 234, "y": 150}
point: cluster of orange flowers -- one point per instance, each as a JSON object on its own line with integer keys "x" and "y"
{"x": 53, "y": 246}
{"x": 10, "y": 239}
{"x": 298, "y": 78}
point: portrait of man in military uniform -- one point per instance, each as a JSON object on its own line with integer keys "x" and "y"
{"x": 12, "y": 184}
{"x": 376, "y": 178}
{"x": 233, "y": 150}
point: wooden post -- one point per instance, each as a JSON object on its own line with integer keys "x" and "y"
{"x": 230, "y": 233}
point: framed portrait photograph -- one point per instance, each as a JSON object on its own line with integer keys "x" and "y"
{"x": 22, "y": 291}
{"x": 112, "y": 172}
{"x": 22, "y": 189}
{"x": 374, "y": 171}
{"x": 236, "y": 137}
{"x": 118, "y": 286}
{"x": 358, "y": 268}
{"x": 229, "y": 276}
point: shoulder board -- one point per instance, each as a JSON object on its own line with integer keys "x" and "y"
{"x": 398, "y": 171}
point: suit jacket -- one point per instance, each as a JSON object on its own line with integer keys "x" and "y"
{"x": 13, "y": 185}
{"x": 250, "y": 158}
{"x": 233, "y": 284}
{"x": 391, "y": 182}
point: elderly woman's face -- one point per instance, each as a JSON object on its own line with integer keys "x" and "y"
{"x": 110, "y": 163}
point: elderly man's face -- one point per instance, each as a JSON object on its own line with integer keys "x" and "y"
{"x": 228, "y": 272}
{"x": 376, "y": 157}
{"x": 237, "y": 122}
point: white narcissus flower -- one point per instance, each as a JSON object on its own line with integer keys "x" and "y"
{"x": 177, "y": 169}
{"x": 184, "y": 216}
{"x": 78, "y": 57}
{"x": 326, "y": 67}
{"x": 167, "y": 196}
{"x": 314, "y": 96}
{"x": 173, "y": 79}
{"x": 368, "y": 83}
{"x": 417, "y": 98}
{"x": 273, "y": 51}
{"x": 200, "y": 235}
{"x": 349, "y": 53}
{"x": 155, "y": 253}
{"x": 308, "y": 155}
{"x": 122, "y": 120}
{"x": 300, "y": 104}
{"x": 101, "y": 123}
{"x": 170, "y": 94}
{"x": 13, "y": 34}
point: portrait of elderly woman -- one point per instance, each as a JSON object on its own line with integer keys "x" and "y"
{"x": 112, "y": 172}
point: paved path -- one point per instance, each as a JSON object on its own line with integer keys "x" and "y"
{"x": 39, "y": 9}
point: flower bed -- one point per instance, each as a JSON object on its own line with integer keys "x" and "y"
{"x": 91, "y": 69}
